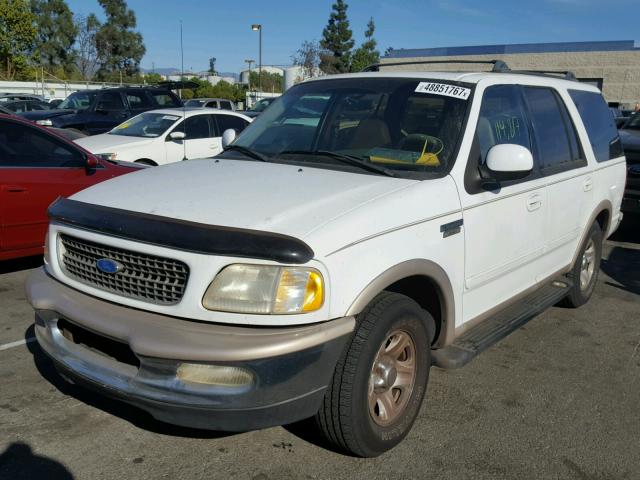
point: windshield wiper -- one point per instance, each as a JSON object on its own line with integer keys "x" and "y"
{"x": 247, "y": 151}
{"x": 348, "y": 159}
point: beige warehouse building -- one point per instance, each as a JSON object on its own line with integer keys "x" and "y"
{"x": 613, "y": 66}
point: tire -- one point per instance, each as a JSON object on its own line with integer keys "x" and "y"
{"x": 584, "y": 282}
{"x": 353, "y": 417}
{"x": 145, "y": 161}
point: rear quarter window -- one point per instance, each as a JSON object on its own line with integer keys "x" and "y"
{"x": 599, "y": 123}
{"x": 165, "y": 99}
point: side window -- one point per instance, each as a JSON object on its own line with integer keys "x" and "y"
{"x": 226, "y": 105}
{"x": 23, "y": 146}
{"x": 226, "y": 122}
{"x": 197, "y": 127}
{"x": 110, "y": 101}
{"x": 599, "y": 123}
{"x": 502, "y": 119}
{"x": 165, "y": 99}
{"x": 213, "y": 104}
{"x": 138, "y": 100}
{"x": 554, "y": 133}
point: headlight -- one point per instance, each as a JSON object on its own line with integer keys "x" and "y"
{"x": 45, "y": 123}
{"x": 265, "y": 289}
{"x": 107, "y": 156}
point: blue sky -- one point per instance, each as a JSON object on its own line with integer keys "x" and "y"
{"x": 222, "y": 28}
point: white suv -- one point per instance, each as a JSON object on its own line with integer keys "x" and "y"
{"x": 363, "y": 228}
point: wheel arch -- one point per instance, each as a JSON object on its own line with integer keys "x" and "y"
{"x": 601, "y": 214}
{"x": 422, "y": 280}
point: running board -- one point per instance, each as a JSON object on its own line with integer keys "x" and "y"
{"x": 494, "y": 329}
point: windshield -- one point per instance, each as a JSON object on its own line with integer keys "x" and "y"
{"x": 397, "y": 123}
{"x": 633, "y": 122}
{"x": 150, "y": 125}
{"x": 78, "y": 101}
{"x": 262, "y": 104}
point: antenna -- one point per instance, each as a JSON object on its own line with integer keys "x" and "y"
{"x": 184, "y": 112}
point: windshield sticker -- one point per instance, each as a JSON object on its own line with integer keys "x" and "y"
{"x": 173, "y": 118}
{"x": 443, "y": 89}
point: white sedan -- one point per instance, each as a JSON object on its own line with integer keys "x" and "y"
{"x": 159, "y": 137}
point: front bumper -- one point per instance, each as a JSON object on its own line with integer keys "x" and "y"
{"x": 291, "y": 366}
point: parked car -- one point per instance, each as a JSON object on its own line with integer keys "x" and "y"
{"x": 220, "y": 103}
{"x": 4, "y": 110}
{"x": 21, "y": 106}
{"x": 630, "y": 136}
{"x": 365, "y": 227}
{"x": 259, "y": 107}
{"x": 12, "y": 97}
{"x": 36, "y": 167}
{"x": 158, "y": 137}
{"x": 98, "y": 111}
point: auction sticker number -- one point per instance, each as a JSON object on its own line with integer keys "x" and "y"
{"x": 443, "y": 89}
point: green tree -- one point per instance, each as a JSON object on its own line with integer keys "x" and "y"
{"x": 120, "y": 48}
{"x": 86, "y": 51}
{"x": 337, "y": 41}
{"x": 56, "y": 34}
{"x": 17, "y": 36}
{"x": 152, "y": 78}
{"x": 367, "y": 53}
{"x": 271, "y": 82}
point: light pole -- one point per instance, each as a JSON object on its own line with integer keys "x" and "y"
{"x": 258, "y": 27}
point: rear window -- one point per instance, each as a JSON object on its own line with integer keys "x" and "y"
{"x": 599, "y": 123}
{"x": 166, "y": 99}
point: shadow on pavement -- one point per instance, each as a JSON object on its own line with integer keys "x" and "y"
{"x": 18, "y": 264}
{"x": 623, "y": 266}
{"x": 19, "y": 461}
{"x": 629, "y": 230}
{"x": 131, "y": 414}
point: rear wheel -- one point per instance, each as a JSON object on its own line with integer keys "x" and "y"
{"x": 584, "y": 273}
{"x": 381, "y": 378}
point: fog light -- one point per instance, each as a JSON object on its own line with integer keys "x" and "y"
{"x": 223, "y": 376}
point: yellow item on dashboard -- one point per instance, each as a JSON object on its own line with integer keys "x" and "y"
{"x": 429, "y": 159}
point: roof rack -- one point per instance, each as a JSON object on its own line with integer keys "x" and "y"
{"x": 498, "y": 65}
{"x": 566, "y": 74}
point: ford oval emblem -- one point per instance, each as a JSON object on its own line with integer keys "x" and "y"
{"x": 106, "y": 265}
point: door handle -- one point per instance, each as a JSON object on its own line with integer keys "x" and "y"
{"x": 588, "y": 184}
{"x": 14, "y": 188}
{"x": 534, "y": 202}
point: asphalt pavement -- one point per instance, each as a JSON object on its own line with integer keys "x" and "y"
{"x": 558, "y": 399}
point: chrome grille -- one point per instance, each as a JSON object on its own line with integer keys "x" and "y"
{"x": 144, "y": 277}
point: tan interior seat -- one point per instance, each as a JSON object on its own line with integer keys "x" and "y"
{"x": 370, "y": 133}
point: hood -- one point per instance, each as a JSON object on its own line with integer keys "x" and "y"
{"x": 286, "y": 199}
{"x": 42, "y": 114}
{"x": 106, "y": 143}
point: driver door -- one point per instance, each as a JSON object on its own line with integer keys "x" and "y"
{"x": 110, "y": 111}
{"x": 200, "y": 142}
{"x": 35, "y": 169}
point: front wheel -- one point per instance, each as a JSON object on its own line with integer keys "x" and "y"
{"x": 381, "y": 378}
{"x": 584, "y": 272}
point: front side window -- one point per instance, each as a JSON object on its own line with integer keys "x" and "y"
{"x": 198, "y": 127}
{"x": 554, "y": 132}
{"x": 166, "y": 99}
{"x": 599, "y": 124}
{"x": 194, "y": 103}
{"x": 395, "y": 123}
{"x": 110, "y": 101}
{"x": 138, "y": 100}
{"x": 24, "y": 146}
{"x": 502, "y": 119}
{"x": 226, "y": 122}
{"x": 78, "y": 101}
{"x": 149, "y": 125}
{"x": 226, "y": 105}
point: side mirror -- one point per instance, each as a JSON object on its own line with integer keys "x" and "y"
{"x": 91, "y": 163}
{"x": 228, "y": 136}
{"x": 176, "y": 136}
{"x": 509, "y": 162}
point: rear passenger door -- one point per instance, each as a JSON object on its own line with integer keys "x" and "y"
{"x": 504, "y": 224}
{"x": 564, "y": 166}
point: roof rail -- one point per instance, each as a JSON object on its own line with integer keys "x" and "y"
{"x": 566, "y": 74}
{"x": 498, "y": 65}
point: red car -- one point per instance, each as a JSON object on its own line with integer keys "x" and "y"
{"x": 36, "y": 167}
